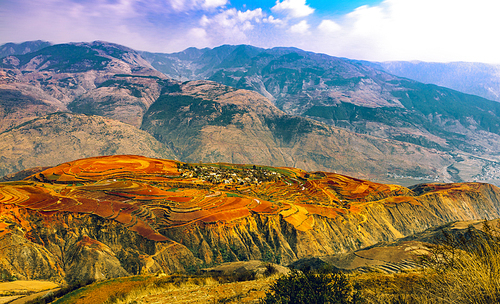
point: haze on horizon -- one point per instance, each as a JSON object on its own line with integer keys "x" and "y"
{"x": 426, "y": 30}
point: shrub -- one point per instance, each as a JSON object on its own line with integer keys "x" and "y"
{"x": 311, "y": 288}
{"x": 270, "y": 270}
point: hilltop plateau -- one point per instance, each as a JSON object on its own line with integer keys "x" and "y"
{"x": 112, "y": 216}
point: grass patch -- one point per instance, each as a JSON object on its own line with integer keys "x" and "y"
{"x": 463, "y": 268}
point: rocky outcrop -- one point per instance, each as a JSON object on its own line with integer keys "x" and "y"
{"x": 71, "y": 247}
{"x": 91, "y": 259}
{"x": 25, "y": 260}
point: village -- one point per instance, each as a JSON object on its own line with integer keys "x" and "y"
{"x": 219, "y": 174}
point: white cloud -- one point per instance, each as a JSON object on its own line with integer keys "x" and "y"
{"x": 294, "y": 8}
{"x": 300, "y": 28}
{"x": 232, "y": 18}
{"x": 214, "y": 3}
{"x": 199, "y": 36}
{"x": 273, "y": 20}
{"x": 177, "y": 5}
{"x": 231, "y": 25}
{"x": 329, "y": 26}
{"x": 191, "y": 5}
{"x": 428, "y": 30}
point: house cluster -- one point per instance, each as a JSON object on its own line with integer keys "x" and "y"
{"x": 223, "y": 175}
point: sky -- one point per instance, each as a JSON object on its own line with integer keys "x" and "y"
{"x": 375, "y": 30}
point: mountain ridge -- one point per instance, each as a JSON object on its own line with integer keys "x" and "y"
{"x": 352, "y": 95}
{"x": 453, "y": 75}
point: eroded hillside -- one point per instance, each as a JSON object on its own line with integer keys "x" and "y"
{"x": 118, "y": 215}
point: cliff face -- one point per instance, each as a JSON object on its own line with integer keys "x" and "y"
{"x": 118, "y": 215}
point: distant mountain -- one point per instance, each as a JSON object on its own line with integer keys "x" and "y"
{"x": 355, "y": 96}
{"x": 412, "y": 132}
{"x": 208, "y": 122}
{"x": 22, "y": 48}
{"x": 472, "y": 78}
{"x": 115, "y": 79}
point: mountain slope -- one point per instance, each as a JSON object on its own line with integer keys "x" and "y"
{"x": 346, "y": 93}
{"x": 60, "y": 137}
{"x": 357, "y": 97}
{"x": 208, "y": 122}
{"x": 114, "y": 80}
{"x": 124, "y": 215}
{"x": 413, "y": 131}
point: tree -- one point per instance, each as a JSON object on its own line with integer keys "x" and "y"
{"x": 311, "y": 288}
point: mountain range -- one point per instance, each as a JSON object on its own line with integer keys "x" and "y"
{"x": 242, "y": 104}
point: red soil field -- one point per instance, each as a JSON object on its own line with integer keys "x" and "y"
{"x": 146, "y": 195}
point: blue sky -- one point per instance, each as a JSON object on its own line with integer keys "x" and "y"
{"x": 427, "y": 30}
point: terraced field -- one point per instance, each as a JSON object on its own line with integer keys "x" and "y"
{"x": 147, "y": 194}
{"x": 135, "y": 215}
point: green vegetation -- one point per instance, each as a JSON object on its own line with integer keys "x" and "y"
{"x": 13, "y": 101}
{"x": 455, "y": 107}
{"x": 5, "y": 276}
{"x": 112, "y": 50}
{"x": 137, "y": 76}
{"x": 429, "y": 99}
{"x": 287, "y": 128}
{"x": 340, "y": 81}
{"x": 62, "y": 294}
{"x": 170, "y": 109}
{"x": 312, "y": 288}
{"x": 135, "y": 88}
{"x": 168, "y": 116}
{"x": 67, "y": 58}
{"x": 419, "y": 140}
